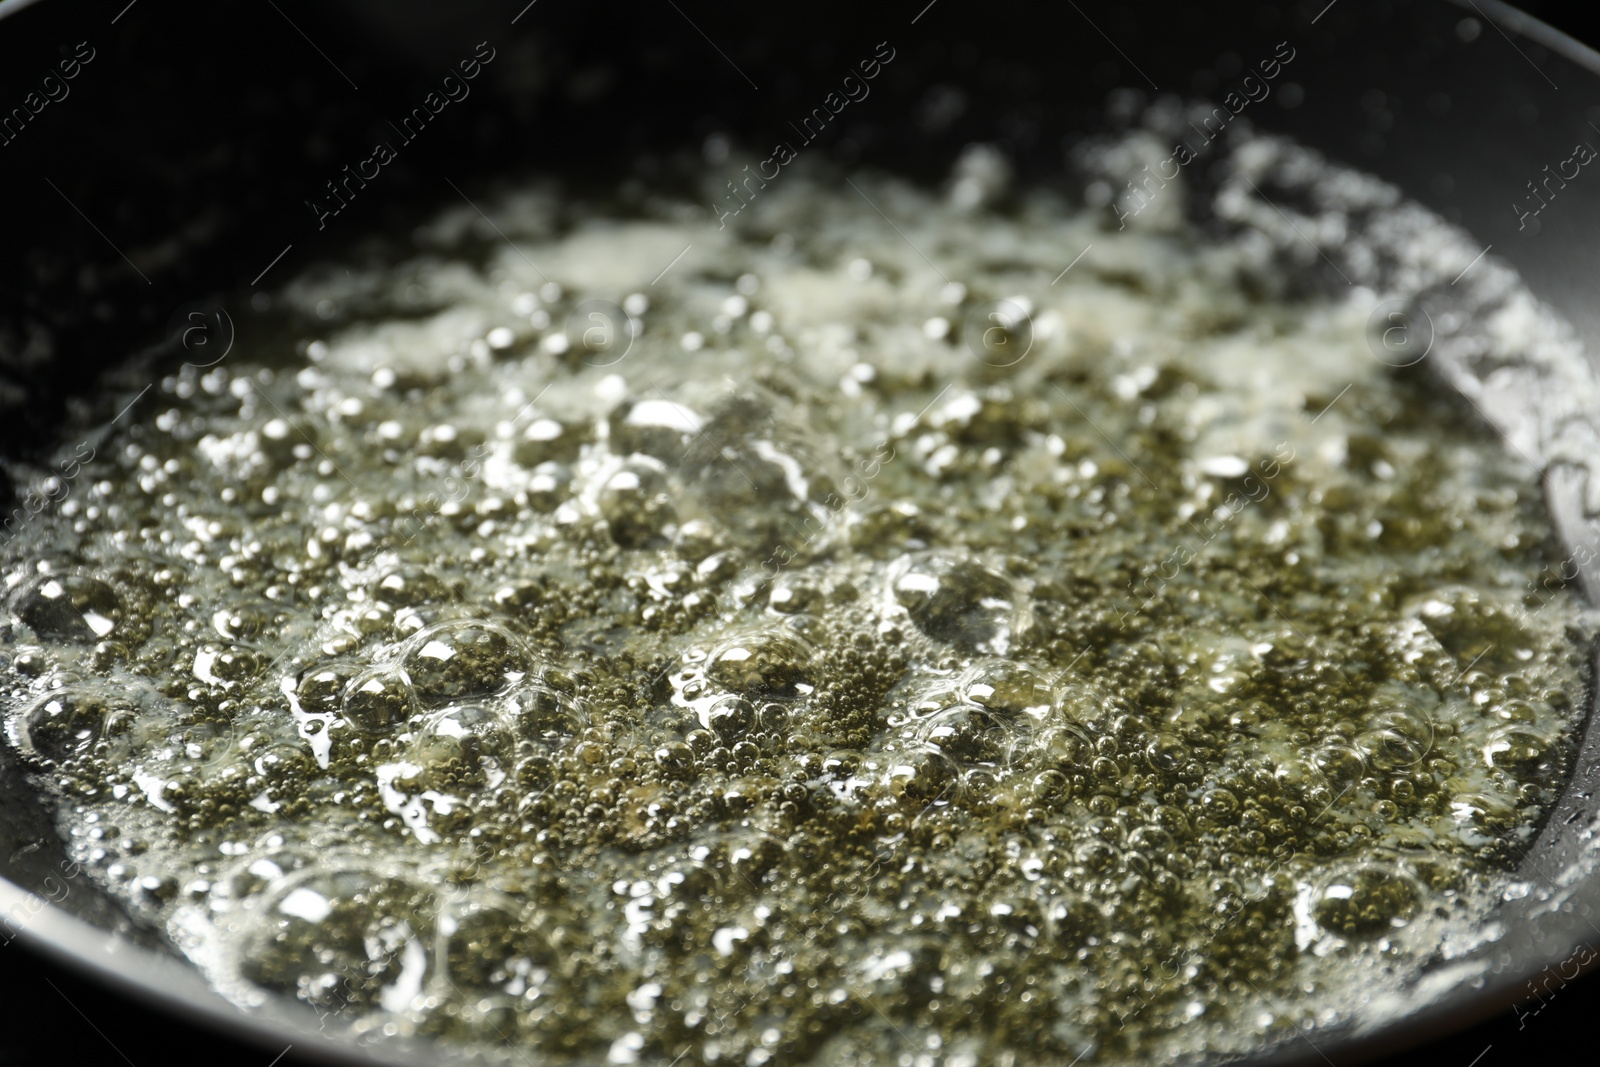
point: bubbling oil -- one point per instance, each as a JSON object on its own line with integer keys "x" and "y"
{"x": 757, "y": 670}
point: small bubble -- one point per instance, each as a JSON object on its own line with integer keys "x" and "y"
{"x": 1366, "y": 899}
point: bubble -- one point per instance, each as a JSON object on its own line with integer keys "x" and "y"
{"x": 920, "y": 775}
{"x": 1050, "y": 787}
{"x": 772, "y": 663}
{"x": 676, "y": 757}
{"x": 344, "y": 940}
{"x": 1065, "y": 747}
{"x": 550, "y": 484}
{"x": 751, "y": 854}
{"x": 1296, "y": 775}
{"x": 464, "y": 660}
{"x": 488, "y": 949}
{"x": 446, "y": 440}
{"x": 636, "y": 505}
{"x": 226, "y": 667}
{"x": 378, "y": 702}
{"x": 257, "y": 875}
{"x": 842, "y": 763}
{"x": 773, "y": 718}
{"x": 282, "y": 763}
{"x": 464, "y": 747}
{"x": 968, "y": 735}
{"x": 1166, "y": 752}
{"x": 70, "y": 607}
{"x": 750, "y": 469}
{"x": 210, "y": 742}
{"x": 1219, "y": 804}
{"x": 731, "y": 718}
{"x": 547, "y": 440}
{"x": 658, "y": 428}
{"x": 409, "y": 585}
{"x": 322, "y": 688}
{"x": 1341, "y": 765}
{"x": 61, "y": 725}
{"x": 1396, "y": 737}
{"x": 1018, "y": 914}
{"x": 1481, "y": 817}
{"x": 1170, "y": 818}
{"x": 279, "y": 438}
{"x": 794, "y": 597}
{"x": 688, "y": 879}
{"x": 1517, "y": 747}
{"x": 1071, "y": 919}
{"x": 1084, "y": 705}
{"x": 540, "y": 713}
{"x": 695, "y": 540}
{"x": 1151, "y": 840}
{"x": 245, "y": 621}
{"x": 956, "y": 600}
{"x": 1365, "y": 899}
{"x": 888, "y": 531}
{"x": 1008, "y": 688}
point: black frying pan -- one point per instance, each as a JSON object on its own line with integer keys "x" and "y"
{"x": 155, "y": 190}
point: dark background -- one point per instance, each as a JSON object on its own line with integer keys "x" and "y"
{"x": 53, "y": 1013}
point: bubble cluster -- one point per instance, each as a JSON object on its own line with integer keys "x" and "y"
{"x": 842, "y": 686}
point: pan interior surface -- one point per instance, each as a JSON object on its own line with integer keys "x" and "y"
{"x": 790, "y": 652}
{"x": 1507, "y": 392}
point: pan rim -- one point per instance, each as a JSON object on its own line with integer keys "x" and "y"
{"x": 164, "y": 980}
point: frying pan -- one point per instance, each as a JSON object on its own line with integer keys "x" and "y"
{"x": 169, "y": 176}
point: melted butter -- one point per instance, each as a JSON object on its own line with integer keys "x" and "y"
{"x": 812, "y": 681}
